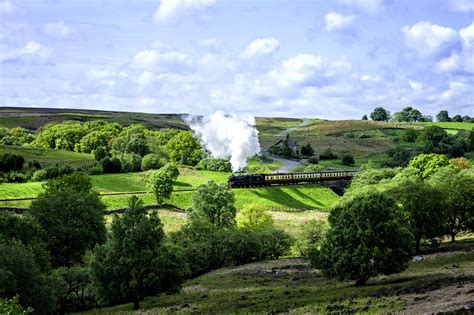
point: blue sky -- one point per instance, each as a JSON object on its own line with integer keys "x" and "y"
{"x": 333, "y": 59}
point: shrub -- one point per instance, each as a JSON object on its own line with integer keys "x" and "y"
{"x": 78, "y": 292}
{"x": 409, "y": 135}
{"x": 215, "y": 165}
{"x": 307, "y": 150}
{"x": 131, "y": 162}
{"x": 328, "y": 155}
{"x": 171, "y": 169}
{"x": 313, "y": 160}
{"x": 11, "y": 162}
{"x": 428, "y": 164}
{"x": 152, "y": 162}
{"x": 111, "y": 165}
{"x": 312, "y": 235}
{"x": 244, "y": 246}
{"x": 96, "y": 169}
{"x": 275, "y": 243}
{"x": 14, "y": 177}
{"x": 347, "y": 159}
{"x": 40, "y": 175}
{"x": 367, "y": 237}
{"x": 100, "y": 153}
{"x": 161, "y": 185}
{"x": 254, "y": 217}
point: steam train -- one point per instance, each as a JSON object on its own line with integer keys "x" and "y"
{"x": 259, "y": 180}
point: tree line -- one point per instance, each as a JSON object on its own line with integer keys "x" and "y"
{"x": 410, "y": 114}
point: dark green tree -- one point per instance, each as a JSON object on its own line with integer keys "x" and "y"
{"x": 365, "y": 117}
{"x": 307, "y": 150}
{"x": 184, "y": 149}
{"x": 367, "y": 237}
{"x": 214, "y": 203}
{"x": 380, "y": 114}
{"x": 135, "y": 262}
{"x": 71, "y": 215}
{"x": 457, "y": 118}
{"x": 425, "y": 207}
{"x": 443, "y": 116}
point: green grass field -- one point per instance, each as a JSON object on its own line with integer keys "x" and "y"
{"x": 49, "y": 157}
{"x": 440, "y": 281}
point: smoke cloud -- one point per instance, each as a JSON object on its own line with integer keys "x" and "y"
{"x": 227, "y": 136}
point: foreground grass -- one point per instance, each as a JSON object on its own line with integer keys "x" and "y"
{"x": 440, "y": 282}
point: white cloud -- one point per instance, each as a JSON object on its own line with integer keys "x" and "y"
{"x": 261, "y": 47}
{"x": 415, "y": 85}
{"x": 464, "y": 6}
{"x": 370, "y": 78}
{"x": 30, "y": 50}
{"x": 367, "y": 6}
{"x": 6, "y": 7}
{"x": 467, "y": 35}
{"x": 460, "y": 61}
{"x": 428, "y": 39}
{"x": 171, "y": 9}
{"x": 170, "y": 61}
{"x": 336, "y": 21}
{"x": 57, "y": 29}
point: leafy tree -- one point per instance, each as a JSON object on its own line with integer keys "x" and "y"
{"x": 215, "y": 165}
{"x": 65, "y": 135}
{"x": 171, "y": 169}
{"x": 458, "y": 193}
{"x": 25, "y": 229}
{"x": 347, "y": 159}
{"x": 12, "y": 307}
{"x": 409, "y": 135}
{"x": 428, "y": 164}
{"x": 367, "y": 237}
{"x": 93, "y": 140}
{"x": 365, "y": 117}
{"x": 254, "y": 217}
{"x": 100, "y": 153}
{"x": 457, "y": 118}
{"x": 443, "y": 116}
{"x": 71, "y": 216}
{"x": 11, "y": 162}
{"x": 467, "y": 119}
{"x": 380, "y": 114}
{"x": 275, "y": 243}
{"x": 184, "y": 149}
{"x": 135, "y": 262}
{"x": 307, "y": 150}
{"x": 161, "y": 185}
{"x": 433, "y": 134}
{"x": 425, "y": 207}
{"x": 77, "y": 293}
{"x": 408, "y": 114}
{"x": 398, "y": 157}
{"x": 111, "y": 165}
{"x": 312, "y": 235}
{"x": 21, "y": 275}
{"x": 130, "y": 162}
{"x": 214, "y": 203}
{"x": 152, "y": 162}
{"x": 470, "y": 140}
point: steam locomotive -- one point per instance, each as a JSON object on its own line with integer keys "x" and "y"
{"x": 259, "y": 180}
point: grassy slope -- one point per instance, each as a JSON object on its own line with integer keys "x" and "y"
{"x": 49, "y": 157}
{"x": 441, "y": 282}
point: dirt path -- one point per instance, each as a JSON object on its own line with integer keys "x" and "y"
{"x": 305, "y": 122}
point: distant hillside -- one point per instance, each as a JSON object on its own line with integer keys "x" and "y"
{"x": 33, "y": 118}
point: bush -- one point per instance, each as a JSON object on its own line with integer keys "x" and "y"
{"x": 78, "y": 293}
{"x": 244, "y": 246}
{"x": 275, "y": 243}
{"x": 14, "y": 177}
{"x": 328, "y": 155}
{"x": 11, "y": 162}
{"x": 100, "y": 153}
{"x": 368, "y": 236}
{"x": 215, "y": 165}
{"x": 312, "y": 235}
{"x": 111, "y": 165}
{"x": 347, "y": 159}
{"x": 254, "y": 217}
{"x": 313, "y": 160}
{"x": 40, "y": 175}
{"x": 152, "y": 162}
{"x": 161, "y": 185}
{"x": 130, "y": 162}
{"x": 96, "y": 169}
{"x": 171, "y": 169}
{"x": 410, "y": 135}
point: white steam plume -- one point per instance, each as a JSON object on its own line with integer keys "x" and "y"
{"x": 227, "y": 136}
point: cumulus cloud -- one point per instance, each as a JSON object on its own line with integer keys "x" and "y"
{"x": 370, "y": 78}
{"x": 464, "y": 6}
{"x": 57, "y": 29}
{"x": 6, "y": 7}
{"x": 429, "y": 40}
{"x": 336, "y": 21}
{"x": 164, "y": 61}
{"x": 171, "y": 9}
{"x": 367, "y": 6}
{"x": 30, "y": 50}
{"x": 261, "y": 47}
